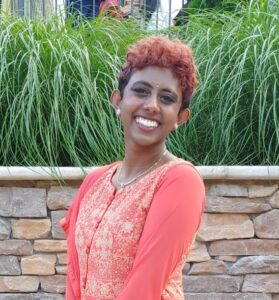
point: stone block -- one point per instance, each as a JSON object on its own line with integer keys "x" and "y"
{"x": 47, "y": 296}
{"x": 62, "y": 258}
{"x": 62, "y": 270}
{"x": 35, "y": 296}
{"x": 53, "y": 284}
{"x": 16, "y": 297}
{"x": 5, "y": 228}
{"x": 39, "y": 264}
{"x": 31, "y": 228}
{"x": 274, "y": 200}
{"x": 198, "y": 253}
{"x": 258, "y": 191}
{"x": 266, "y": 223}
{"x": 255, "y": 264}
{"x": 225, "y": 226}
{"x": 244, "y": 247}
{"x": 212, "y": 283}
{"x": 229, "y": 258}
{"x": 60, "y": 197}
{"x": 15, "y": 247}
{"x": 261, "y": 283}
{"x": 275, "y": 297}
{"x": 228, "y": 296}
{"x": 186, "y": 268}
{"x": 9, "y": 265}
{"x": 20, "y": 284}
{"x": 235, "y": 205}
{"x": 50, "y": 246}
{"x": 22, "y": 202}
{"x": 228, "y": 190}
{"x": 57, "y": 231}
{"x": 208, "y": 267}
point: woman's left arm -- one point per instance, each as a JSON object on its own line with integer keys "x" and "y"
{"x": 173, "y": 219}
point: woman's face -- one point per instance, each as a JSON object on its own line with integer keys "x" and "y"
{"x": 150, "y": 106}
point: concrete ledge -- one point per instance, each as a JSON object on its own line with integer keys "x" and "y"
{"x": 207, "y": 172}
{"x": 240, "y": 172}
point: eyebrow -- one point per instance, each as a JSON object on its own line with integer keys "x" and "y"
{"x": 150, "y": 86}
{"x": 144, "y": 83}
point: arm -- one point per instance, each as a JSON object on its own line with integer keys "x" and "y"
{"x": 172, "y": 221}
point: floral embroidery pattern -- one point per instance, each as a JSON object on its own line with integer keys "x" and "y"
{"x": 108, "y": 230}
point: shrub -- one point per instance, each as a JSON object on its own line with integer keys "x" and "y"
{"x": 235, "y": 116}
{"x": 55, "y": 83}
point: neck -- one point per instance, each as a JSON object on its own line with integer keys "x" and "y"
{"x": 139, "y": 159}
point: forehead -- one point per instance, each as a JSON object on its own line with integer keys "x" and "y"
{"x": 157, "y": 77}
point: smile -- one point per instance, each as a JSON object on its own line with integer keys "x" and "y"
{"x": 146, "y": 122}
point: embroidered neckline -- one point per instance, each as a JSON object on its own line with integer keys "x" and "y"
{"x": 113, "y": 169}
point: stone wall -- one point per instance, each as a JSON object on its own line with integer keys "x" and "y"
{"x": 235, "y": 256}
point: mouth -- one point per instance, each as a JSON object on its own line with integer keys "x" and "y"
{"x": 147, "y": 123}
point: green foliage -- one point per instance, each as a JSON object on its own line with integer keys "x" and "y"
{"x": 235, "y": 116}
{"x": 227, "y": 5}
{"x": 55, "y": 83}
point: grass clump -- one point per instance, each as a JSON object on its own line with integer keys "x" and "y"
{"x": 235, "y": 118}
{"x": 55, "y": 84}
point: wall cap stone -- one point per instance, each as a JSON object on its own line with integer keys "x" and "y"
{"x": 75, "y": 173}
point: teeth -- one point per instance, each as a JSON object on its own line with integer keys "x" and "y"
{"x": 147, "y": 123}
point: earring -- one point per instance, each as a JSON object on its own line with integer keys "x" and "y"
{"x": 118, "y": 111}
{"x": 175, "y": 126}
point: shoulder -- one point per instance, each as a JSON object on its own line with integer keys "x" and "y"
{"x": 92, "y": 177}
{"x": 95, "y": 174}
{"x": 181, "y": 192}
{"x": 88, "y": 181}
{"x": 181, "y": 170}
{"x": 183, "y": 185}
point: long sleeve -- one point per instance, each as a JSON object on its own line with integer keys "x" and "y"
{"x": 172, "y": 221}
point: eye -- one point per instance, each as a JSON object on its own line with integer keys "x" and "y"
{"x": 168, "y": 99}
{"x": 140, "y": 91}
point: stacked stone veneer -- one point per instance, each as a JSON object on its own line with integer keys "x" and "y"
{"x": 235, "y": 256}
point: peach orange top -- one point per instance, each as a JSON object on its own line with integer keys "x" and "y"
{"x": 132, "y": 243}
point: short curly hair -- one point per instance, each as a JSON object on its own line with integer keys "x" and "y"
{"x": 165, "y": 53}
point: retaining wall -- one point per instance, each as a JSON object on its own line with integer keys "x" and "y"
{"x": 235, "y": 256}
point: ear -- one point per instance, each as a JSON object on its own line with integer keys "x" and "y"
{"x": 115, "y": 98}
{"x": 183, "y": 116}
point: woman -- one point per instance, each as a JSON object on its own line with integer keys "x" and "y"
{"x": 91, "y": 8}
{"x": 132, "y": 223}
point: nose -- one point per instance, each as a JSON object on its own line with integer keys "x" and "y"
{"x": 151, "y": 104}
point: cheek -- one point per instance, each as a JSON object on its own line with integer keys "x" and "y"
{"x": 130, "y": 103}
{"x": 173, "y": 113}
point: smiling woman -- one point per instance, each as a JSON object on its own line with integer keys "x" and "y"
{"x": 132, "y": 223}
{"x": 150, "y": 107}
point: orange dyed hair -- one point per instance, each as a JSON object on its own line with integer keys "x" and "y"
{"x": 161, "y": 52}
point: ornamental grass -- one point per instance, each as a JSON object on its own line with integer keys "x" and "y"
{"x": 56, "y": 80}
{"x": 235, "y": 119}
{"x": 55, "y": 84}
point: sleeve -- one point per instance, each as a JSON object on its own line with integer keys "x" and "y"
{"x": 172, "y": 221}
